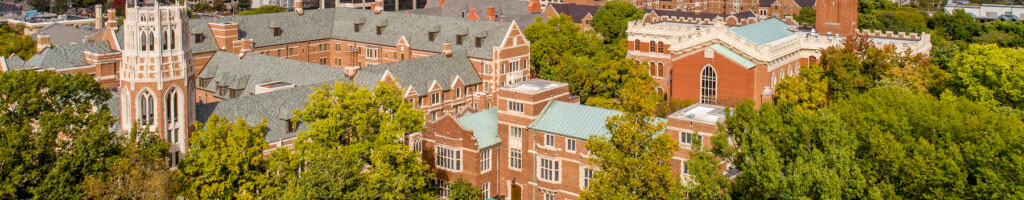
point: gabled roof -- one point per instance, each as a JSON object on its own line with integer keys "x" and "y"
{"x": 731, "y": 55}
{"x": 576, "y": 11}
{"x": 701, "y": 15}
{"x": 765, "y": 3}
{"x": 14, "y": 62}
{"x": 484, "y": 125}
{"x": 805, "y": 3}
{"x": 421, "y": 73}
{"x": 764, "y": 31}
{"x": 574, "y": 120}
{"x": 226, "y": 69}
{"x": 65, "y": 56}
{"x": 505, "y": 9}
{"x": 313, "y": 24}
{"x": 64, "y": 35}
{"x": 275, "y": 107}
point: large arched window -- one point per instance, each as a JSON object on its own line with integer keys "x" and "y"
{"x": 151, "y": 41}
{"x": 651, "y": 68}
{"x": 170, "y": 38}
{"x": 708, "y": 85}
{"x": 144, "y": 38}
{"x": 172, "y": 116}
{"x": 163, "y": 40}
{"x": 145, "y": 108}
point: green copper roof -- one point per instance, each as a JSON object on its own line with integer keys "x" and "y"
{"x": 763, "y": 32}
{"x": 573, "y": 120}
{"x": 484, "y": 125}
{"x": 732, "y": 56}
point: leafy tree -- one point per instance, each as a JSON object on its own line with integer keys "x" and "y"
{"x": 140, "y": 172}
{"x": 634, "y": 157}
{"x": 352, "y": 149}
{"x": 956, "y": 26}
{"x": 612, "y": 19}
{"x": 806, "y": 16}
{"x": 262, "y": 10}
{"x": 55, "y": 130}
{"x": 894, "y": 20}
{"x": 885, "y": 143}
{"x": 978, "y": 76}
{"x": 225, "y": 160}
{"x": 809, "y": 90}
{"x": 707, "y": 181}
{"x": 12, "y": 41}
{"x": 203, "y": 7}
{"x": 41, "y": 5}
{"x": 555, "y": 40}
{"x": 462, "y": 190}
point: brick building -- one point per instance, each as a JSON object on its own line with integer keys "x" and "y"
{"x": 533, "y": 144}
{"x": 722, "y": 65}
{"x": 582, "y": 14}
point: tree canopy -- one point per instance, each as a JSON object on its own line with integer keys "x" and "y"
{"x": 462, "y": 190}
{"x": 989, "y": 74}
{"x": 225, "y": 160}
{"x": 262, "y": 10}
{"x": 611, "y": 20}
{"x": 12, "y": 41}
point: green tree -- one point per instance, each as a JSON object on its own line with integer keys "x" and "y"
{"x": 956, "y": 26}
{"x": 706, "y": 180}
{"x": 978, "y": 76}
{"x": 462, "y": 190}
{"x": 806, "y": 16}
{"x": 225, "y": 160}
{"x": 809, "y": 90}
{"x": 262, "y": 10}
{"x": 353, "y": 149}
{"x": 611, "y": 20}
{"x": 554, "y": 40}
{"x": 12, "y": 41}
{"x": 141, "y": 172}
{"x": 55, "y": 130}
{"x": 634, "y": 157}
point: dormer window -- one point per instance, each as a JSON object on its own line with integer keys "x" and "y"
{"x": 380, "y": 29}
{"x": 277, "y": 31}
{"x": 356, "y": 27}
{"x": 431, "y": 36}
{"x": 289, "y": 126}
{"x": 198, "y": 37}
{"x": 458, "y": 39}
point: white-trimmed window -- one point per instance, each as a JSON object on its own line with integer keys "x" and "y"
{"x": 515, "y": 106}
{"x": 443, "y": 186}
{"x": 708, "y": 85}
{"x": 685, "y": 139}
{"x": 549, "y": 169}
{"x": 372, "y": 52}
{"x": 485, "y": 160}
{"x": 549, "y": 140}
{"x": 515, "y": 132}
{"x": 447, "y": 158}
{"x": 487, "y": 69}
{"x": 146, "y": 108}
{"x": 686, "y": 169}
{"x": 588, "y": 174}
{"x": 417, "y": 145}
{"x": 435, "y": 98}
{"x": 515, "y": 158}
{"x": 570, "y": 145}
{"x": 486, "y": 191}
{"x": 549, "y": 195}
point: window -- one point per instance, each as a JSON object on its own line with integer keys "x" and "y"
{"x": 686, "y": 169}
{"x": 435, "y": 98}
{"x": 458, "y": 39}
{"x": 652, "y": 46}
{"x": 291, "y": 51}
{"x": 548, "y": 195}
{"x": 515, "y": 132}
{"x": 431, "y": 36}
{"x": 588, "y": 173}
{"x": 549, "y": 169}
{"x": 449, "y": 159}
{"x": 145, "y": 108}
{"x": 458, "y": 93}
{"x": 380, "y": 29}
{"x": 661, "y": 47}
{"x": 570, "y": 144}
{"x": 515, "y": 158}
{"x": 198, "y": 38}
{"x": 337, "y": 47}
{"x": 171, "y": 100}
{"x": 636, "y": 45}
{"x": 444, "y": 188}
{"x": 277, "y": 31}
{"x": 661, "y": 69}
{"x": 371, "y": 52}
{"x": 356, "y": 27}
{"x": 708, "y": 85}
{"x": 549, "y": 140}
{"x": 478, "y": 42}
{"x": 485, "y": 160}
{"x": 684, "y": 139}
{"x": 485, "y": 191}
{"x": 514, "y": 106}
{"x": 417, "y": 145}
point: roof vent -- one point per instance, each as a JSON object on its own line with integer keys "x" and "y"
{"x": 272, "y": 86}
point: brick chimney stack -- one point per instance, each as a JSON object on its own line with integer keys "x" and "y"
{"x": 378, "y": 6}
{"x": 490, "y": 13}
{"x": 534, "y": 6}
{"x": 298, "y": 6}
{"x": 111, "y": 18}
{"x": 446, "y": 49}
{"x": 43, "y": 41}
{"x": 98, "y": 16}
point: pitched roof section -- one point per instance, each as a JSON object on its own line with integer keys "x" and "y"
{"x": 14, "y": 62}
{"x": 313, "y": 24}
{"x": 66, "y": 56}
{"x": 701, "y": 15}
{"x": 484, "y": 125}
{"x": 505, "y": 9}
{"x": 576, "y": 11}
{"x": 765, "y": 3}
{"x": 64, "y": 35}
{"x": 226, "y": 69}
{"x": 573, "y": 120}
{"x": 805, "y": 3}
{"x": 275, "y": 107}
{"x": 421, "y": 73}
{"x": 731, "y": 55}
{"x": 764, "y": 31}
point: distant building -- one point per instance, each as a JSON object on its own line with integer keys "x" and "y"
{"x": 988, "y": 12}
{"x": 582, "y": 15}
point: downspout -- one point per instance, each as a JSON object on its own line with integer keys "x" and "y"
{"x": 497, "y": 169}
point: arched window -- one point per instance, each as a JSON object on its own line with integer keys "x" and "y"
{"x": 145, "y": 108}
{"x": 170, "y": 38}
{"x": 708, "y": 85}
{"x": 144, "y": 42}
{"x": 151, "y": 41}
{"x": 163, "y": 41}
{"x": 661, "y": 47}
{"x": 661, "y": 69}
{"x": 652, "y": 46}
{"x": 172, "y": 116}
{"x": 636, "y": 45}
{"x": 651, "y": 68}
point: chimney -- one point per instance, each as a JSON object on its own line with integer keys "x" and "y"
{"x": 298, "y": 6}
{"x": 472, "y": 14}
{"x": 446, "y": 49}
{"x": 43, "y": 41}
{"x": 490, "y": 13}
{"x": 534, "y": 6}
{"x": 378, "y": 6}
{"x": 322, "y": 4}
{"x": 98, "y": 13}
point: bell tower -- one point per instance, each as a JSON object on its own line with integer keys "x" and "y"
{"x": 156, "y": 79}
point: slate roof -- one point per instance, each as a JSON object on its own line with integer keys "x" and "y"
{"x": 576, "y": 11}
{"x": 14, "y": 62}
{"x": 421, "y": 73}
{"x": 701, "y": 15}
{"x": 66, "y": 56}
{"x": 226, "y": 69}
{"x": 765, "y": 3}
{"x": 275, "y": 107}
{"x": 574, "y": 120}
{"x": 339, "y": 23}
{"x": 64, "y": 35}
{"x": 805, "y": 3}
{"x": 505, "y": 9}
{"x": 764, "y": 31}
{"x": 484, "y": 125}
{"x": 731, "y": 55}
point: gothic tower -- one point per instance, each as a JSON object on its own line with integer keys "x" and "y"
{"x": 156, "y": 78}
{"x": 836, "y": 17}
